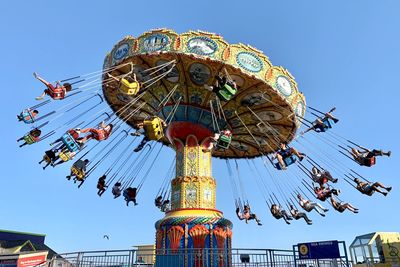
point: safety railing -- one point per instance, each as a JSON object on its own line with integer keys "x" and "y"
{"x": 176, "y": 258}
{"x": 188, "y": 258}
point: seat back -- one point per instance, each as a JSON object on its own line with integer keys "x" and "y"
{"x": 328, "y": 123}
{"x": 29, "y": 139}
{"x": 129, "y": 88}
{"x": 224, "y": 141}
{"x": 289, "y": 160}
{"x": 70, "y": 142}
{"x": 226, "y": 92}
{"x": 64, "y": 156}
{"x": 369, "y": 161}
{"x": 78, "y": 173}
{"x": 153, "y": 129}
{"x": 27, "y": 116}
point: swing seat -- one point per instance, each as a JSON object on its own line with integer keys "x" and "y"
{"x": 47, "y": 159}
{"x": 129, "y": 88}
{"x": 100, "y": 135}
{"x": 327, "y": 123}
{"x": 29, "y": 139}
{"x": 70, "y": 142}
{"x": 224, "y": 141}
{"x": 369, "y": 162}
{"x": 27, "y": 116}
{"x": 58, "y": 93}
{"x": 125, "y": 194}
{"x": 153, "y": 129}
{"x": 288, "y": 161}
{"x": 80, "y": 174}
{"x": 226, "y": 92}
{"x": 64, "y": 156}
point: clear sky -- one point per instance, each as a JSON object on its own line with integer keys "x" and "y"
{"x": 342, "y": 53}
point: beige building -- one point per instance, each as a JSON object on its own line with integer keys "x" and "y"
{"x": 379, "y": 249}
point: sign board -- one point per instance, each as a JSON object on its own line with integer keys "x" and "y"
{"x": 30, "y": 260}
{"x": 319, "y": 250}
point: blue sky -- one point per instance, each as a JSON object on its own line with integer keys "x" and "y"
{"x": 342, "y": 53}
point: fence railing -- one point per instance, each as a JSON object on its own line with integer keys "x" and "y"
{"x": 187, "y": 258}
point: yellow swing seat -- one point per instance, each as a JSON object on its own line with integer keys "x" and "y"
{"x": 80, "y": 174}
{"x": 129, "y": 88}
{"x": 64, "y": 156}
{"x": 153, "y": 128}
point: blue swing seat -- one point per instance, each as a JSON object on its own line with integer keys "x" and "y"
{"x": 27, "y": 116}
{"x": 288, "y": 161}
{"x": 328, "y": 123}
{"x": 70, "y": 142}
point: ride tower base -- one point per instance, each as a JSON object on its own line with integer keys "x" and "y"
{"x": 193, "y": 233}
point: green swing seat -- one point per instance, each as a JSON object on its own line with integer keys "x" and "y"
{"x": 226, "y": 92}
{"x": 224, "y": 141}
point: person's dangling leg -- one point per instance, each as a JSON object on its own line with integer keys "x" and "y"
{"x": 285, "y": 215}
{"x": 281, "y": 162}
{"x": 24, "y": 144}
{"x": 297, "y": 153}
{"x": 47, "y": 164}
{"x": 376, "y": 152}
{"x": 318, "y": 208}
{"x": 375, "y": 188}
{"x": 350, "y": 207}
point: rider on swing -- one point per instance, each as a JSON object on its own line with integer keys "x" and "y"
{"x": 365, "y": 157}
{"x": 32, "y": 137}
{"x": 280, "y": 213}
{"x": 284, "y": 152}
{"x": 56, "y": 92}
{"x": 215, "y": 138}
{"x": 101, "y": 133}
{"x": 224, "y": 87}
{"x": 321, "y": 176}
{"x": 141, "y": 130}
{"x": 322, "y": 124}
{"x": 247, "y": 215}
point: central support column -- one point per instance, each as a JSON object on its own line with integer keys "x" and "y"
{"x": 194, "y": 229}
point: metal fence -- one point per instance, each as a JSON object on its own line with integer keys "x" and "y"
{"x": 188, "y": 258}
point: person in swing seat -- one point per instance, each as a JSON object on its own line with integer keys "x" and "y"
{"x": 80, "y": 165}
{"x": 322, "y": 176}
{"x": 298, "y": 215}
{"x": 325, "y": 193}
{"x": 280, "y": 213}
{"x": 158, "y": 201}
{"x": 75, "y": 134}
{"x": 28, "y": 115}
{"x": 140, "y": 129}
{"x": 220, "y": 82}
{"x": 320, "y": 125}
{"x": 214, "y": 139}
{"x": 116, "y": 190}
{"x": 284, "y": 152}
{"x": 57, "y": 92}
{"x": 247, "y": 215}
{"x": 130, "y": 79}
{"x": 50, "y": 157}
{"x": 308, "y": 205}
{"x": 130, "y": 195}
{"x": 101, "y": 133}
{"x": 165, "y": 206}
{"x": 365, "y": 157}
{"x": 369, "y": 189}
{"x": 101, "y": 185}
{"x": 33, "y": 134}
{"x": 341, "y": 206}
